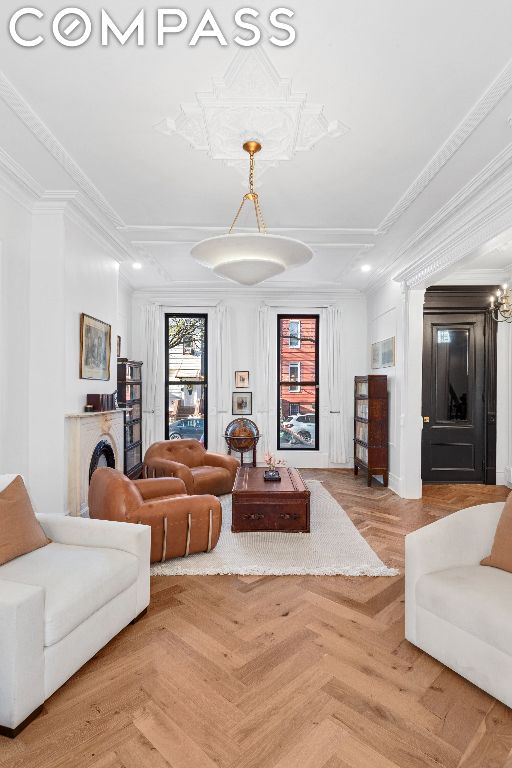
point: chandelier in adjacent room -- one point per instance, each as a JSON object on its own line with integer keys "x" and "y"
{"x": 501, "y": 305}
{"x": 251, "y": 257}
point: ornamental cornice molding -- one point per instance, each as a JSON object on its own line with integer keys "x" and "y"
{"x": 18, "y": 182}
{"x": 252, "y": 101}
{"x": 195, "y": 294}
{"x": 488, "y": 101}
{"x": 479, "y": 223}
{"x": 72, "y": 206}
{"x": 466, "y": 210}
{"x": 40, "y": 130}
{"x": 491, "y": 172}
{"x": 186, "y": 235}
{"x": 23, "y": 188}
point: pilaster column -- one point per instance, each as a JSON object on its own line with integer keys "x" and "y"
{"x": 411, "y": 423}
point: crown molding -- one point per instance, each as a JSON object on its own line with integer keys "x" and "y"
{"x": 487, "y": 102}
{"x": 481, "y": 195}
{"x": 457, "y": 202}
{"x": 22, "y": 187}
{"x": 40, "y": 130}
{"x": 479, "y": 222}
{"x": 195, "y": 293}
{"x": 72, "y": 205}
{"x": 17, "y": 182}
{"x": 476, "y": 277}
{"x": 186, "y": 235}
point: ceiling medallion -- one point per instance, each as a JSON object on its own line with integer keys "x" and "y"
{"x": 252, "y": 95}
{"x": 250, "y": 258}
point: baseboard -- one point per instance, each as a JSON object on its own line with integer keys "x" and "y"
{"x": 505, "y": 477}
{"x": 394, "y": 483}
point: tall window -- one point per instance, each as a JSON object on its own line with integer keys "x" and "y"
{"x": 298, "y": 382}
{"x": 186, "y": 409}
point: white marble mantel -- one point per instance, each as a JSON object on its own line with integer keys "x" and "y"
{"x": 89, "y": 414}
{"x": 84, "y": 432}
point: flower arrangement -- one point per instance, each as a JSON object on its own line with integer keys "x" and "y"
{"x": 272, "y": 461}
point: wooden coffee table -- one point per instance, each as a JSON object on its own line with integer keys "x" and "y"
{"x": 261, "y": 505}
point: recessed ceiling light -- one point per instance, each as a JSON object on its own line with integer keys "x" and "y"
{"x": 137, "y": 265}
{"x": 366, "y": 268}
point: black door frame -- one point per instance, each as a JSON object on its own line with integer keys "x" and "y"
{"x": 474, "y": 299}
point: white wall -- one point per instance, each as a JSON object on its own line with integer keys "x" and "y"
{"x": 92, "y": 278}
{"x": 124, "y": 316}
{"x": 394, "y": 311}
{"x": 244, "y": 321}
{"x": 384, "y": 322}
{"x": 503, "y": 406}
{"x": 53, "y": 266}
{"x": 15, "y": 236}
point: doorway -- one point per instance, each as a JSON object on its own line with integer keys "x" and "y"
{"x": 459, "y": 386}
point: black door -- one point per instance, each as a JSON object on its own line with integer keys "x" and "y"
{"x": 454, "y": 407}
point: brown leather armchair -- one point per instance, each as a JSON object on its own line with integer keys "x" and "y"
{"x": 200, "y": 470}
{"x": 180, "y": 524}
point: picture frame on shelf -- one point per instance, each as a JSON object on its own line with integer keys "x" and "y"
{"x": 95, "y": 348}
{"x": 241, "y": 379}
{"x": 242, "y": 404}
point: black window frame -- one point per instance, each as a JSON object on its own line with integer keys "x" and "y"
{"x": 301, "y": 383}
{"x": 204, "y": 382}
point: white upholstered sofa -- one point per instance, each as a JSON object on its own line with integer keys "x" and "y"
{"x": 456, "y": 610}
{"x": 59, "y": 605}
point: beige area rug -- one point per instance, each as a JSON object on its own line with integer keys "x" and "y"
{"x": 334, "y": 547}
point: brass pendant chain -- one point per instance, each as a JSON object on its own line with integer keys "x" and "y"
{"x": 251, "y": 195}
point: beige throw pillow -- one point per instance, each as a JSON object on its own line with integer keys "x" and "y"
{"x": 20, "y": 531}
{"x": 501, "y": 553}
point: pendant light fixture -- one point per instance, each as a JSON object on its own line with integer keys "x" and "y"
{"x": 251, "y": 257}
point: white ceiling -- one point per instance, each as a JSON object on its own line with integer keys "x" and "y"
{"x": 400, "y": 76}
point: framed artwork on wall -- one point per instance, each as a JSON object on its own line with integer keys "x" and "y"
{"x": 95, "y": 347}
{"x": 241, "y": 379}
{"x": 242, "y": 404}
{"x": 383, "y": 353}
{"x": 119, "y": 346}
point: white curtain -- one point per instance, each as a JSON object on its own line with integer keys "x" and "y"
{"x": 265, "y": 362}
{"x": 223, "y": 374}
{"x": 335, "y": 372}
{"x": 150, "y": 326}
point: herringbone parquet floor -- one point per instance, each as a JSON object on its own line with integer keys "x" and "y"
{"x": 288, "y": 672}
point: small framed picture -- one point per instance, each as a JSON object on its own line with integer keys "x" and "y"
{"x": 95, "y": 339}
{"x": 242, "y": 404}
{"x": 241, "y": 379}
{"x": 119, "y": 346}
{"x": 383, "y": 353}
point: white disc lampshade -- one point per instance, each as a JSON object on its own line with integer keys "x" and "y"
{"x": 250, "y": 258}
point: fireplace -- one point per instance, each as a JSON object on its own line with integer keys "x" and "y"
{"x": 94, "y": 440}
{"x": 102, "y": 456}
